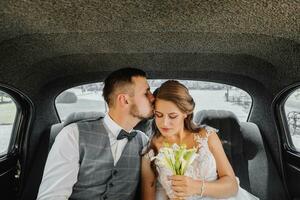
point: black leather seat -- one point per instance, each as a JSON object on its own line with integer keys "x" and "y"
{"x": 232, "y": 140}
{"x": 247, "y": 153}
{"x": 72, "y": 118}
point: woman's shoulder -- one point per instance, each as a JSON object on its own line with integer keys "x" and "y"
{"x": 212, "y": 136}
{"x": 207, "y": 136}
{"x": 206, "y": 131}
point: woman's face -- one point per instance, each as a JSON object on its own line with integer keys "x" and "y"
{"x": 168, "y": 118}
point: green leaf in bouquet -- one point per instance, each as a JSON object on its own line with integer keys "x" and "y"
{"x": 188, "y": 158}
{"x": 179, "y": 154}
{"x": 168, "y": 158}
{"x": 176, "y": 157}
{"x": 183, "y": 167}
{"x": 188, "y": 154}
{"x": 177, "y": 166}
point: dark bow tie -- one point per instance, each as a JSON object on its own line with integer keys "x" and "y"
{"x": 123, "y": 134}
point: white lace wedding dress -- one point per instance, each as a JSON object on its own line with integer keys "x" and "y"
{"x": 202, "y": 168}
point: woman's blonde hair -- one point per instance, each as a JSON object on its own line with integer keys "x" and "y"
{"x": 178, "y": 94}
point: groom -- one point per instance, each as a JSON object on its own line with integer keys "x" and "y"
{"x": 100, "y": 159}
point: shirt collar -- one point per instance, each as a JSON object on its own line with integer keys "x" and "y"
{"x": 112, "y": 126}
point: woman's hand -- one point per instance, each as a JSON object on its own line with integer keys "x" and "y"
{"x": 184, "y": 186}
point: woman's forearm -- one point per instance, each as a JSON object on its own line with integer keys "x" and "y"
{"x": 223, "y": 187}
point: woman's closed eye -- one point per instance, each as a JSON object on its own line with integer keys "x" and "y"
{"x": 159, "y": 115}
{"x": 172, "y": 116}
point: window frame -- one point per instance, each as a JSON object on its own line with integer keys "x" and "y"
{"x": 21, "y": 102}
{"x": 279, "y": 105}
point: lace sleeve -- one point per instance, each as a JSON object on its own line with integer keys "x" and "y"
{"x": 149, "y": 155}
{"x": 210, "y": 130}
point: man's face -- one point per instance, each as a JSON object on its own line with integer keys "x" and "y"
{"x": 143, "y": 99}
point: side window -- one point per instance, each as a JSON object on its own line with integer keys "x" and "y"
{"x": 292, "y": 112}
{"x": 83, "y": 98}
{"x": 8, "y": 111}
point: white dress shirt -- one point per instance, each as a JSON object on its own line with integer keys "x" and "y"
{"x": 62, "y": 165}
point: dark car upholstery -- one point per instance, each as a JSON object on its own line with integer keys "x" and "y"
{"x": 242, "y": 143}
{"x": 232, "y": 140}
{"x": 72, "y": 118}
{"x": 246, "y": 152}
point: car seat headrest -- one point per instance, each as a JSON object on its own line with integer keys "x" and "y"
{"x": 227, "y": 124}
{"x": 80, "y": 116}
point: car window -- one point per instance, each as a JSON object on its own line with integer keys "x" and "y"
{"x": 8, "y": 111}
{"x": 207, "y": 95}
{"x": 83, "y": 98}
{"x": 292, "y": 113}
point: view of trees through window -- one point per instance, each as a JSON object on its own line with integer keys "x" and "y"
{"x": 207, "y": 95}
{"x": 7, "y": 117}
{"x": 292, "y": 111}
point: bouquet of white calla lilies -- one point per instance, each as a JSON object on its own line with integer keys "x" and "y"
{"x": 177, "y": 158}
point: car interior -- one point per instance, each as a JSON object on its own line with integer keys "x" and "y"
{"x": 48, "y": 47}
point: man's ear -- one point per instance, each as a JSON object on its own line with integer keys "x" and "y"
{"x": 122, "y": 99}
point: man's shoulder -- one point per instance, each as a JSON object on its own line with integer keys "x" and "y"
{"x": 67, "y": 133}
{"x": 70, "y": 128}
{"x": 89, "y": 124}
{"x": 142, "y": 136}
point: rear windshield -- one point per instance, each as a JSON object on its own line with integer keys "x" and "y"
{"x": 207, "y": 95}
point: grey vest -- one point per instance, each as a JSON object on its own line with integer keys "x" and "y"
{"x": 98, "y": 178}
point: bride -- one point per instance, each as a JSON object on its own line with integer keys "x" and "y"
{"x": 209, "y": 176}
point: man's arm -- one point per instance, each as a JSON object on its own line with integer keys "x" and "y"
{"x": 62, "y": 166}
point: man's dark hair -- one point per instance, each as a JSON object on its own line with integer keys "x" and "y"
{"x": 117, "y": 79}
